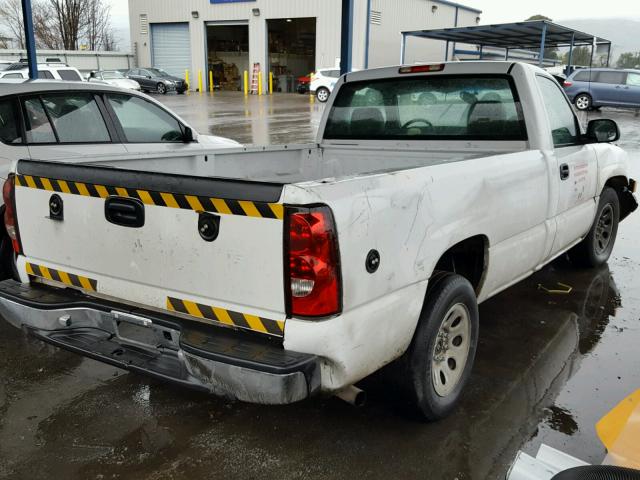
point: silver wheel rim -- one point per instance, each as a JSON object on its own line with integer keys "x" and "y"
{"x": 161, "y": 88}
{"x": 604, "y": 229}
{"x": 582, "y": 102}
{"x": 451, "y": 351}
{"x": 323, "y": 95}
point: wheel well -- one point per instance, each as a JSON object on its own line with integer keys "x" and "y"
{"x": 621, "y": 185}
{"x": 468, "y": 259}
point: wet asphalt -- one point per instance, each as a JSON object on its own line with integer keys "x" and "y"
{"x": 548, "y": 367}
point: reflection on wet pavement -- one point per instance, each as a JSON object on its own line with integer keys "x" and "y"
{"x": 548, "y": 367}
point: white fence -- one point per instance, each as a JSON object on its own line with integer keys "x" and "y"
{"x": 83, "y": 60}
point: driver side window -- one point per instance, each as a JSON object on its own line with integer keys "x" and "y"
{"x": 144, "y": 122}
{"x": 564, "y": 128}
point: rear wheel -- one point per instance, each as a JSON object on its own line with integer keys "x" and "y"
{"x": 162, "y": 89}
{"x": 597, "y": 246}
{"x": 583, "y": 101}
{"x": 322, "y": 94}
{"x": 442, "y": 352}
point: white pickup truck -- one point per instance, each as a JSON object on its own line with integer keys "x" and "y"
{"x": 273, "y": 274}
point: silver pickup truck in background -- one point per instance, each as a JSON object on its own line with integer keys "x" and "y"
{"x": 272, "y": 274}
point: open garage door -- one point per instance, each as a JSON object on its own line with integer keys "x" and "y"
{"x": 228, "y": 54}
{"x": 292, "y": 50}
{"x": 171, "y": 48}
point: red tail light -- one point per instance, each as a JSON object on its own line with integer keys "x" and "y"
{"x": 10, "y": 219}
{"x": 312, "y": 263}
{"x": 567, "y": 83}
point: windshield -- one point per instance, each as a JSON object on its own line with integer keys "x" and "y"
{"x": 158, "y": 72}
{"x": 112, "y": 75}
{"x": 427, "y": 108}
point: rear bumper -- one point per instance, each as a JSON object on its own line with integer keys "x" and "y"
{"x": 210, "y": 359}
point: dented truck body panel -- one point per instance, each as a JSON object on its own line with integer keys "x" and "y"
{"x": 410, "y": 201}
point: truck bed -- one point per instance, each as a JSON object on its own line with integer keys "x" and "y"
{"x": 289, "y": 164}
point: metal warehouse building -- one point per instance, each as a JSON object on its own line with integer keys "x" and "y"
{"x": 289, "y": 38}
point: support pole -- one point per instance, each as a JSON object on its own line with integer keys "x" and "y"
{"x": 481, "y": 47}
{"x": 543, "y": 39}
{"x": 570, "y": 59}
{"x": 367, "y": 36}
{"x": 346, "y": 43}
{"x": 30, "y": 39}
{"x": 608, "y": 54}
{"x": 446, "y": 52}
{"x": 506, "y": 53}
{"x": 403, "y": 46}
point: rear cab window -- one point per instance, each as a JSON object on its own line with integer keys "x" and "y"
{"x": 45, "y": 74}
{"x": 437, "y": 107}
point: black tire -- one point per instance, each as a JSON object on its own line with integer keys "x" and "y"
{"x": 595, "y": 249}
{"x": 583, "y": 101}
{"x": 322, "y": 94}
{"x": 446, "y": 291}
{"x": 161, "y": 88}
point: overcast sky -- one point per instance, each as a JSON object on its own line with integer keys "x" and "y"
{"x": 500, "y": 11}
{"x": 493, "y": 11}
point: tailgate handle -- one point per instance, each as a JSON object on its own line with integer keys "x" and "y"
{"x": 126, "y": 212}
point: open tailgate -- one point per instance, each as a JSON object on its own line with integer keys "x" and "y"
{"x": 150, "y": 239}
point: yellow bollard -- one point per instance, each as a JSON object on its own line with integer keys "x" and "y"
{"x": 200, "y": 81}
{"x": 211, "y": 81}
{"x": 246, "y": 83}
{"x": 270, "y": 83}
{"x": 259, "y": 83}
{"x": 186, "y": 79}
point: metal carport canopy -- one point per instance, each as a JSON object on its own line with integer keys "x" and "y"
{"x": 538, "y": 34}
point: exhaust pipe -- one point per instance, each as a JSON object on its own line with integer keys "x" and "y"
{"x": 353, "y": 395}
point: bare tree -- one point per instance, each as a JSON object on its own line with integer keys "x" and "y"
{"x": 12, "y": 25}
{"x": 70, "y": 20}
{"x": 98, "y": 24}
{"x": 61, "y": 24}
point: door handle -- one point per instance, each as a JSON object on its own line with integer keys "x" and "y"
{"x": 564, "y": 171}
{"x": 126, "y": 212}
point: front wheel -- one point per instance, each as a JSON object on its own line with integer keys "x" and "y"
{"x": 443, "y": 348}
{"x": 322, "y": 94}
{"x": 162, "y": 89}
{"x": 583, "y": 101}
{"x": 596, "y": 247}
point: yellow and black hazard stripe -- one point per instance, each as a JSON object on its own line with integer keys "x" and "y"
{"x": 67, "y": 278}
{"x": 226, "y": 317}
{"x": 162, "y": 199}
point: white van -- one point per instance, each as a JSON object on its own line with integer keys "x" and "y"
{"x": 46, "y": 71}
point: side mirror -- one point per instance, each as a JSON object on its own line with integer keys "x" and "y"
{"x": 602, "y": 130}
{"x": 148, "y": 76}
{"x": 187, "y": 135}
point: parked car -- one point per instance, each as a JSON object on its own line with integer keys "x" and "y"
{"x": 46, "y": 71}
{"x": 157, "y": 80}
{"x": 64, "y": 120}
{"x": 115, "y": 78}
{"x": 275, "y": 273}
{"x": 323, "y": 82}
{"x": 599, "y": 87}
